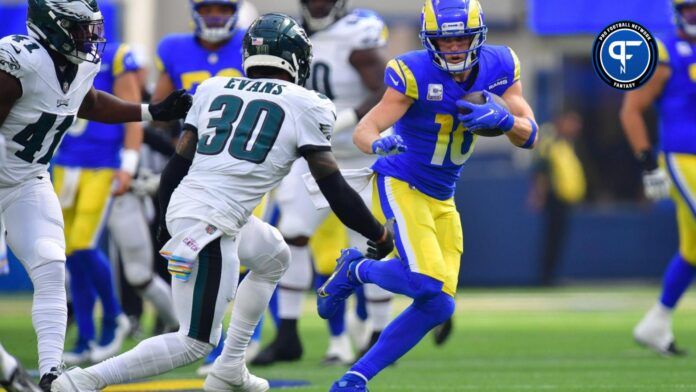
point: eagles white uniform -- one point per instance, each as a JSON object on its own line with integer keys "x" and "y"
{"x": 33, "y": 131}
{"x": 333, "y": 75}
{"x": 29, "y": 207}
{"x": 250, "y": 132}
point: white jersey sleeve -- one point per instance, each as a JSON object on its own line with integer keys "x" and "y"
{"x": 9, "y": 62}
{"x": 315, "y": 124}
{"x": 368, "y": 30}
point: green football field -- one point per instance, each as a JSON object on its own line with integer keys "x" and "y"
{"x": 566, "y": 339}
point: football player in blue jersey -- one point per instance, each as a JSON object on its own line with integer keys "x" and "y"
{"x": 418, "y": 169}
{"x": 672, "y": 90}
{"x": 214, "y": 48}
{"x": 95, "y": 162}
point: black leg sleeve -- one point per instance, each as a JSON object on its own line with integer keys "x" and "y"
{"x": 175, "y": 170}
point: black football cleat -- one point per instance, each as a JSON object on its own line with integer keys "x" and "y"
{"x": 48, "y": 378}
{"x": 286, "y": 347}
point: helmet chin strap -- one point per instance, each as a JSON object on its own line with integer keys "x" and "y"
{"x": 317, "y": 24}
{"x": 216, "y": 34}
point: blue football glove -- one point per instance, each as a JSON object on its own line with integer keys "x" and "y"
{"x": 389, "y": 145}
{"x": 489, "y": 115}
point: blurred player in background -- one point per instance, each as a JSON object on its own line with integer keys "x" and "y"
{"x": 13, "y": 377}
{"x": 420, "y": 164}
{"x": 46, "y": 80}
{"x": 348, "y": 68}
{"x": 558, "y": 185}
{"x": 673, "y": 91}
{"x": 217, "y": 180}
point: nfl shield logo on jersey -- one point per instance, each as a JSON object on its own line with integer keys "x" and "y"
{"x": 435, "y": 92}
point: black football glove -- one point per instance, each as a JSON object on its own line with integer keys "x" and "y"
{"x": 378, "y": 250}
{"x": 174, "y": 107}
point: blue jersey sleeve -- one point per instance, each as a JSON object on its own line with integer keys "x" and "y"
{"x": 507, "y": 72}
{"x": 164, "y": 54}
{"x": 662, "y": 52}
{"x": 400, "y": 77}
{"x": 124, "y": 61}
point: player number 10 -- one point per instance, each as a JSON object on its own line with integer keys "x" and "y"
{"x": 458, "y": 141}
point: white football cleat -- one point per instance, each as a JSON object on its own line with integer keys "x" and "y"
{"x": 233, "y": 378}
{"x": 101, "y": 353}
{"x": 340, "y": 351}
{"x": 75, "y": 380}
{"x": 654, "y": 331}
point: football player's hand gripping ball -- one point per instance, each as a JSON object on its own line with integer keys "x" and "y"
{"x": 489, "y": 115}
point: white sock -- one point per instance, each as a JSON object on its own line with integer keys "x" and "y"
{"x": 296, "y": 280}
{"x": 253, "y": 296}
{"x": 159, "y": 294}
{"x": 153, "y": 356}
{"x": 8, "y": 363}
{"x": 49, "y": 313}
{"x": 379, "y": 306}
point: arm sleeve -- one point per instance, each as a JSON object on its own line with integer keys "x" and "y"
{"x": 9, "y": 61}
{"x": 400, "y": 77}
{"x": 509, "y": 70}
{"x": 314, "y": 127}
{"x": 371, "y": 32}
{"x": 157, "y": 141}
{"x": 124, "y": 61}
{"x": 662, "y": 52}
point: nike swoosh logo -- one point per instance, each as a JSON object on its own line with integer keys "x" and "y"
{"x": 15, "y": 49}
{"x": 396, "y": 82}
{"x": 490, "y": 112}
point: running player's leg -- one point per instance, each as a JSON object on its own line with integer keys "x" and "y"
{"x": 131, "y": 233}
{"x": 421, "y": 272}
{"x": 82, "y": 292}
{"x": 201, "y": 301}
{"x": 326, "y": 243}
{"x": 35, "y": 235}
{"x": 13, "y": 377}
{"x": 655, "y": 329}
{"x": 298, "y": 221}
{"x": 265, "y": 254}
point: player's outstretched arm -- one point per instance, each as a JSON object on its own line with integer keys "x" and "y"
{"x": 524, "y": 132}
{"x": 127, "y": 87}
{"x": 346, "y": 203}
{"x": 10, "y": 92}
{"x": 390, "y": 108}
{"x": 106, "y": 108}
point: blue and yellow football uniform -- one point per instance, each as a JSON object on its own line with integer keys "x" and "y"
{"x": 417, "y": 187}
{"x": 188, "y": 63}
{"x": 677, "y": 123}
{"x": 90, "y": 153}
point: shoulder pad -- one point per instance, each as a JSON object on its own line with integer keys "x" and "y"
{"x": 16, "y": 54}
{"x": 364, "y": 29}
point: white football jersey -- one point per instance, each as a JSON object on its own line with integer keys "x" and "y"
{"x": 250, "y": 131}
{"x": 38, "y": 120}
{"x": 332, "y": 73}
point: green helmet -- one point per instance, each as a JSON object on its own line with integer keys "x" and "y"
{"x": 74, "y": 28}
{"x": 276, "y": 40}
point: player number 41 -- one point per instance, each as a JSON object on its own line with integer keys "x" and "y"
{"x": 458, "y": 141}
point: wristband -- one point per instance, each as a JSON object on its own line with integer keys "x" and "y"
{"x": 145, "y": 114}
{"x": 530, "y": 142}
{"x": 346, "y": 119}
{"x": 647, "y": 160}
{"x": 129, "y": 161}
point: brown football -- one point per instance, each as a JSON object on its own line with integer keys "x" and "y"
{"x": 478, "y": 98}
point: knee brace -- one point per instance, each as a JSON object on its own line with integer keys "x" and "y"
{"x": 440, "y": 307}
{"x": 47, "y": 250}
{"x": 274, "y": 268}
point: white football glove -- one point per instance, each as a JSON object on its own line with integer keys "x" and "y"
{"x": 656, "y": 184}
{"x": 146, "y": 183}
